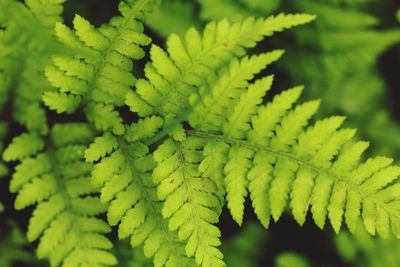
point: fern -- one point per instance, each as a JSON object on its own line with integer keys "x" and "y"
{"x": 124, "y": 176}
{"x": 52, "y": 176}
{"x": 167, "y": 92}
{"x": 99, "y": 76}
{"x": 204, "y": 133}
{"x": 26, "y": 45}
{"x": 314, "y": 168}
{"x": 324, "y": 62}
{"x": 173, "y": 80}
{"x": 262, "y": 149}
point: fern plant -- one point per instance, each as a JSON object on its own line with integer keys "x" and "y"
{"x": 325, "y": 63}
{"x": 52, "y": 175}
{"x": 99, "y": 75}
{"x": 202, "y": 134}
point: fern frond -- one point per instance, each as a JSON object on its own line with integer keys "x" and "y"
{"x": 174, "y": 75}
{"x": 124, "y": 176}
{"x": 193, "y": 76}
{"x": 99, "y": 76}
{"x": 219, "y": 95}
{"x": 52, "y": 176}
{"x": 27, "y": 43}
{"x": 317, "y": 168}
{"x": 191, "y": 202}
{"x": 23, "y": 146}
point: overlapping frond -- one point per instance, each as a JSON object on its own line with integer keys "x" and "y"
{"x": 100, "y": 74}
{"x": 53, "y": 176}
{"x": 123, "y": 173}
{"x": 26, "y": 44}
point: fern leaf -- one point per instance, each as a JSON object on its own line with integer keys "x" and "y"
{"x": 226, "y": 90}
{"x": 27, "y": 43}
{"x": 191, "y": 82}
{"x": 236, "y": 169}
{"x": 124, "y": 177}
{"x": 100, "y": 74}
{"x": 173, "y": 76}
{"x": 316, "y": 168}
{"x": 65, "y": 217}
{"x": 23, "y": 146}
{"x": 191, "y": 201}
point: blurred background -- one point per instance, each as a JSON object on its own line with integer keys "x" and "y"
{"x": 349, "y": 57}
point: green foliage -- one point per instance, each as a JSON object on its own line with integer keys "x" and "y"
{"x": 193, "y": 199}
{"x": 52, "y": 176}
{"x": 3, "y": 132}
{"x": 173, "y": 79}
{"x": 336, "y": 56}
{"x": 341, "y": 57}
{"x": 246, "y": 247}
{"x": 204, "y": 130}
{"x": 179, "y": 14}
{"x": 100, "y": 74}
{"x": 12, "y": 248}
{"x": 128, "y": 257}
{"x": 124, "y": 176}
{"x": 334, "y": 45}
{"x": 215, "y": 10}
{"x": 26, "y": 44}
{"x": 361, "y": 249}
{"x": 291, "y": 259}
